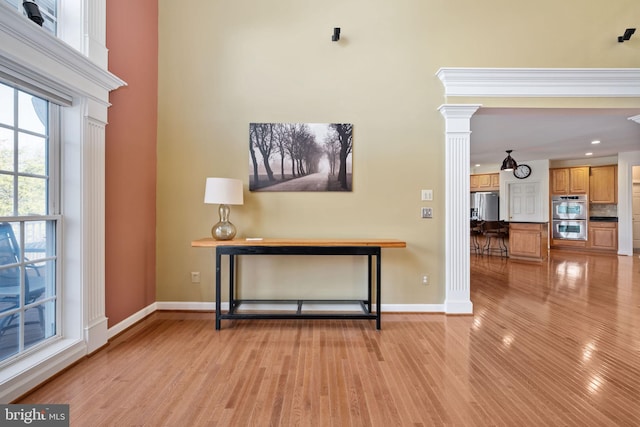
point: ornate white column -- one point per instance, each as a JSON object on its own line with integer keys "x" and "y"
{"x": 93, "y": 153}
{"x": 83, "y": 26}
{"x": 458, "y": 131}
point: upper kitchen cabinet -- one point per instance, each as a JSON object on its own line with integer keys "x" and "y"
{"x": 603, "y": 184}
{"x": 485, "y": 182}
{"x": 570, "y": 180}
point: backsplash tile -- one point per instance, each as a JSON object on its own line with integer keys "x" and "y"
{"x": 597, "y": 209}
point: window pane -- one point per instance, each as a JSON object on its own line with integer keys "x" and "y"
{"x": 39, "y": 323}
{"x": 10, "y": 256}
{"x": 32, "y": 154}
{"x": 37, "y": 242}
{"x": 6, "y": 105}
{"x": 6, "y": 195}
{"x": 9, "y": 343}
{"x": 28, "y": 288}
{"x": 40, "y": 281}
{"x": 32, "y": 113}
{"x": 33, "y": 196}
{"x": 6, "y": 150}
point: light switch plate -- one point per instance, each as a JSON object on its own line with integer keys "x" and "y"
{"x": 426, "y": 212}
{"x": 427, "y": 194}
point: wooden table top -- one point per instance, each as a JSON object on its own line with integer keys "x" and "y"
{"x": 209, "y": 242}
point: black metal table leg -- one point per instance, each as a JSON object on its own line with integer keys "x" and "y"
{"x": 369, "y": 290}
{"x": 218, "y": 278}
{"x": 232, "y": 281}
{"x": 378, "y": 287}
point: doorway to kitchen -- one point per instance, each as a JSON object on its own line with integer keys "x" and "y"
{"x": 515, "y": 84}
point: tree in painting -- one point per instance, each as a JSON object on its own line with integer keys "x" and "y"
{"x": 345, "y": 133}
{"x": 300, "y": 156}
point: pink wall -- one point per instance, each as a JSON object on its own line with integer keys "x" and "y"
{"x": 132, "y": 40}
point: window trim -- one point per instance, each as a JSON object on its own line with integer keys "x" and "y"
{"x": 40, "y": 57}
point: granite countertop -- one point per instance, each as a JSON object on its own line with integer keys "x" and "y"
{"x": 604, "y": 218}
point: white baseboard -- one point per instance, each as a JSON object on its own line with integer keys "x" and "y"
{"x": 413, "y": 308}
{"x": 190, "y": 305}
{"x": 458, "y": 307}
{"x": 132, "y": 320}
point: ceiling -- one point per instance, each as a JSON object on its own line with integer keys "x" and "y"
{"x": 551, "y": 133}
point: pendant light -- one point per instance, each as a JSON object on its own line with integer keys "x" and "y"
{"x": 508, "y": 164}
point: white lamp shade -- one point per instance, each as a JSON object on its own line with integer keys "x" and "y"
{"x": 227, "y": 191}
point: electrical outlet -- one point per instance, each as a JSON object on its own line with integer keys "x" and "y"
{"x": 195, "y": 277}
{"x": 425, "y": 279}
{"x": 426, "y": 212}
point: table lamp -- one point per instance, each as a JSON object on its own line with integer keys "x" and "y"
{"x": 225, "y": 191}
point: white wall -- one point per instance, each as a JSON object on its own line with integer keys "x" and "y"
{"x": 539, "y": 174}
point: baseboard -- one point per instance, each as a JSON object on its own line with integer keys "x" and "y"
{"x": 132, "y": 320}
{"x": 413, "y": 308}
{"x": 458, "y": 307}
{"x": 190, "y": 305}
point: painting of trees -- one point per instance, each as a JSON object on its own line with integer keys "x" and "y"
{"x": 304, "y": 156}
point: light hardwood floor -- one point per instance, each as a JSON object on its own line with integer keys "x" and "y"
{"x": 550, "y": 344}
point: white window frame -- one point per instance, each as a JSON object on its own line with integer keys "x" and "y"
{"x": 73, "y": 70}
{"x": 53, "y": 215}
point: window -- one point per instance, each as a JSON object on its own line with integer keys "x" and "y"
{"x": 48, "y": 10}
{"x": 29, "y": 221}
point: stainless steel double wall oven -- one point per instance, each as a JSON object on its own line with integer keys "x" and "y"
{"x": 569, "y": 217}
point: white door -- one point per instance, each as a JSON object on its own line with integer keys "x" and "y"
{"x": 525, "y": 203}
{"x": 636, "y": 216}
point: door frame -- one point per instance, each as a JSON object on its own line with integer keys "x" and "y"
{"x": 515, "y": 83}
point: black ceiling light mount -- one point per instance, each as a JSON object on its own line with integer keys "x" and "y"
{"x": 33, "y": 12}
{"x": 336, "y": 34}
{"x": 508, "y": 164}
{"x": 627, "y": 35}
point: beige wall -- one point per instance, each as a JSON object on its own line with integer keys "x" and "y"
{"x": 224, "y": 64}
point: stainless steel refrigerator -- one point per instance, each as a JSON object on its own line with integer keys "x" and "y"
{"x": 485, "y": 206}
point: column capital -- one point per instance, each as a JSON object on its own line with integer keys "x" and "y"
{"x": 458, "y": 116}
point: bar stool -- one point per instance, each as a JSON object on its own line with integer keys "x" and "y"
{"x": 496, "y": 231}
{"x": 476, "y": 230}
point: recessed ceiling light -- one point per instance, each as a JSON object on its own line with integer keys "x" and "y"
{"x": 595, "y": 142}
{"x": 477, "y": 165}
{"x": 588, "y": 154}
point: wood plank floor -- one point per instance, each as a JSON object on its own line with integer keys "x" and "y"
{"x": 551, "y": 344}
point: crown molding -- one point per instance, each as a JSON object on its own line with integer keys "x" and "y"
{"x": 541, "y": 82}
{"x": 51, "y": 58}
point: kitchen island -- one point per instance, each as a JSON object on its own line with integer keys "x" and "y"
{"x": 529, "y": 240}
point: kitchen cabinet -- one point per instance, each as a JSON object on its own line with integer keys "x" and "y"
{"x": 485, "y": 182}
{"x": 528, "y": 241}
{"x": 603, "y": 236}
{"x": 570, "y": 180}
{"x": 603, "y": 184}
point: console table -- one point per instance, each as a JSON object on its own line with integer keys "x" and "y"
{"x": 232, "y": 248}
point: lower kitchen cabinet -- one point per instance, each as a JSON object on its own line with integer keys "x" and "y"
{"x": 603, "y": 236}
{"x": 528, "y": 241}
